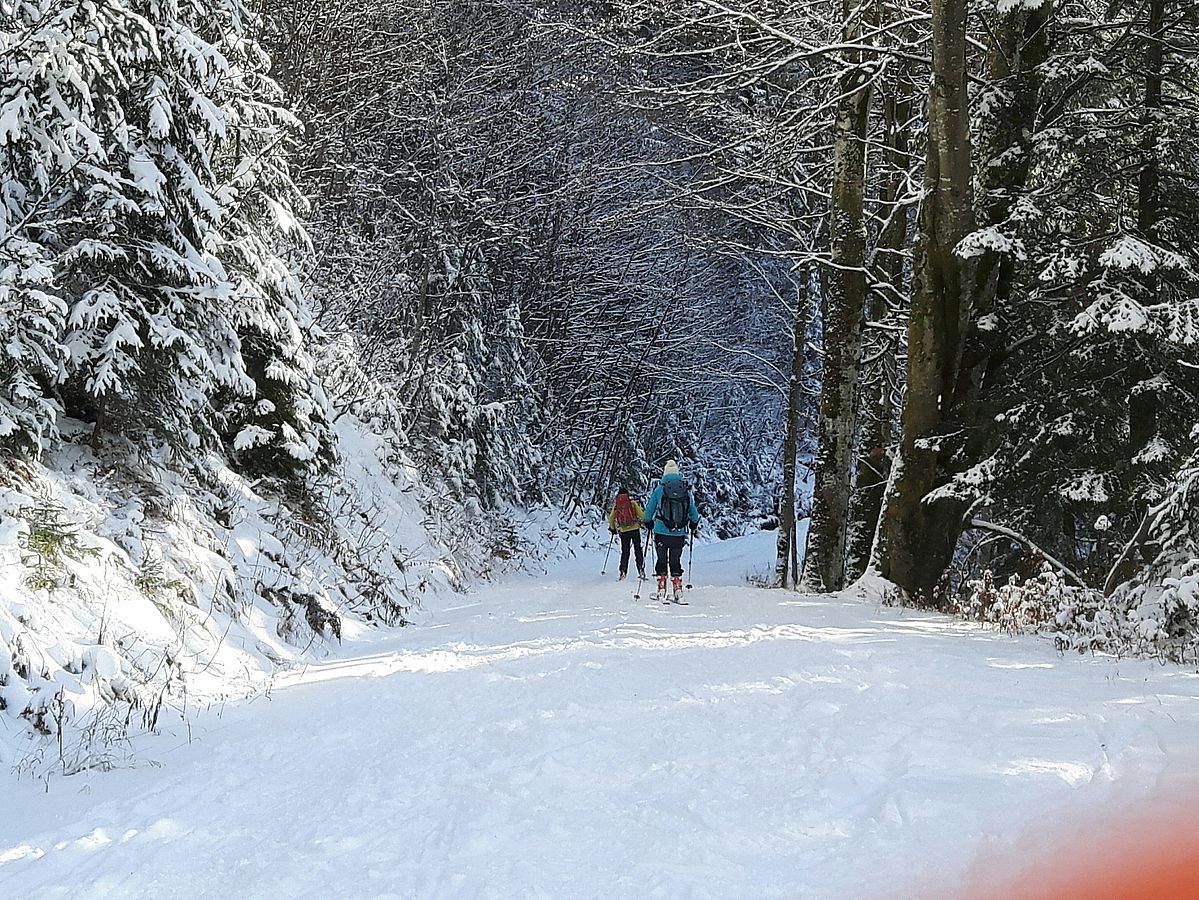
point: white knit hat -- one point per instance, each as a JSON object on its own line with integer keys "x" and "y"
{"x": 671, "y": 468}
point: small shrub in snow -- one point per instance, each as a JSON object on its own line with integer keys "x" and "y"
{"x": 893, "y": 596}
{"x": 156, "y": 584}
{"x": 1017, "y": 606}
{"x": 48, "y": 542}
{"x": 317, "y": 614}
{"x": 762, "y": 577}
{"x": 1162, "y": 623}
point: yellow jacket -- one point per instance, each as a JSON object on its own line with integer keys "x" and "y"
{"x": 638, "y": 509}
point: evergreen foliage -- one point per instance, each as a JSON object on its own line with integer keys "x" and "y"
{"x": 147, "y": 210}
{"x": 1088, "y": 406}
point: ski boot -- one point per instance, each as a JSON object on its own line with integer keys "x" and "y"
{"x": 676, "y": 584}
{"x": 622, "y": 576}
{"x": 662, "y": 589}
{"x": 641, "y": 574}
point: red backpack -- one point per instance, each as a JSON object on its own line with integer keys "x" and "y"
{"x": 625, "y": 514}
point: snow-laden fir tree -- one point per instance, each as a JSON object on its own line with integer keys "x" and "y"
{"x": 1090, "y": 393}
{"x": 147, "y": 210}
{"x": 32, "y": 316}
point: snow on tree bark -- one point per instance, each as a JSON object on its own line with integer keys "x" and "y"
{"x": 786, "y": 554}
{"x": 916, "y": 538}
{"x": 843, "y": 309}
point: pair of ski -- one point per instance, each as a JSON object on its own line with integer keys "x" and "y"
{"x": 663, "y": 597}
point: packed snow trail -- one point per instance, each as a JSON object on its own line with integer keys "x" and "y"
{"x": 552, "y": 738}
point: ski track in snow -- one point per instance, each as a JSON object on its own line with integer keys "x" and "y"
{"x": 554, "y": 738}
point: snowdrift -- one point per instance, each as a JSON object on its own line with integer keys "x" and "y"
{"x": 130, "y": 590}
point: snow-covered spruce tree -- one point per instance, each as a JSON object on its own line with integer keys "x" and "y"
{"x": 147, "y": 174}
{"x": 1068, "y": 385}
{"x": 45, "y": 151}
{"x": 1087, "y": 405}
{"x": 281, "y": 429}
{"x": 476, "y": 404}
{"x": 32, "y": 317}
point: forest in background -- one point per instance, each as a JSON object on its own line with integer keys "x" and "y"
{"x": 922, "y": 273}
{"x": 719, "y": 232}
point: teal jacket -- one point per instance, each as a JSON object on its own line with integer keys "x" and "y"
{"x": 652, "y": 507}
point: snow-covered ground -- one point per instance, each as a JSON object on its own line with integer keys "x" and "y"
{"x": 552, "y": 737}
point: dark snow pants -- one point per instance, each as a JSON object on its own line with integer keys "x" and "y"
{"x": 670, "y": 549}
{"x": 628, "y": 540}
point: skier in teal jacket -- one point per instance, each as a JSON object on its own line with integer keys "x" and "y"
{"x": 671, "y": 513}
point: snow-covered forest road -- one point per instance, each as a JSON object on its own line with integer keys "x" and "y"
{"x": 554, "y": 738}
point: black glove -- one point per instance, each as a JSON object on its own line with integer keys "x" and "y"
{"x": 611, "y": 531}
{"x": 694, "y": 528}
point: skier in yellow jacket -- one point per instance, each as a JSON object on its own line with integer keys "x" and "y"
{"x": 625, "y": 520}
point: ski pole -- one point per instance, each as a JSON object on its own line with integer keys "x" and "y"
{"x": 690, "y": 560}
{"x": 604, "y": 570}
{"x": 641, "y": 577}
{"x": 640, "y": 570}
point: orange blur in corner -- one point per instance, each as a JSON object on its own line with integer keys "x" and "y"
{"x": 1133, "y": 859}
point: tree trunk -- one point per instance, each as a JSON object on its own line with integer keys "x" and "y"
{"x": 98, "y": 426}
{"x": 1021, "y": 45}
{"x": 874, "y": 465}
{"x": 916, "y": 539}
{"x": 1148, "y": 183}
{"x": 786, "y": 574}
{"x": 1143, "y": 405}
{"x": 843, "y": 302}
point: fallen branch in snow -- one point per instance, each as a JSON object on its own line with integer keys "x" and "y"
{"x": 1073, "y": 576}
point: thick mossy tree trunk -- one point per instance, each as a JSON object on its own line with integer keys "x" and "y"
{"x": 843, "y": 305}
{"x": 917, "y": 539}
{"x": 1020, "y": 45}
{"x": 785, "y": 573}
